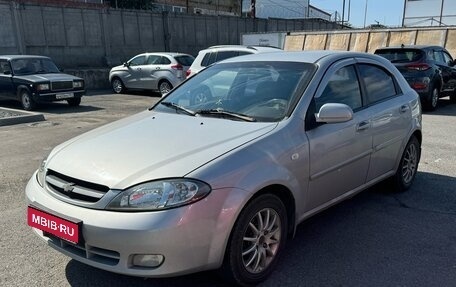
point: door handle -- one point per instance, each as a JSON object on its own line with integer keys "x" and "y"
{"x": 404, "y": 108}
{"x": 364, "y": 125}
{"x": 158, "y": 68}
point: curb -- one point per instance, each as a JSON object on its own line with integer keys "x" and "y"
{"x": 19, "y": 117}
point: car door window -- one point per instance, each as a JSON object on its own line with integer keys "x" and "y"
{"x": 439, "y": 57}
{"x": 226, "y": 55}
{"x": 138, "y": 61}
{"x": 343, "y": 87}
{"x": 447, "y": 58}
{"x": 153, "y": 60}
{"x": 164, "y": 61}
{"x": 379, "y": 84}
{"x": 4, "y": 67}
{"x": 208, "y": 59}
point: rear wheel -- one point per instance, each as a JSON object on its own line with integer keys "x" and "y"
{"x": 408, "y": 166}
{"x": 433, "y": 99}
{"x": 165, "y": 87}
{"x": 27, "y": 101}
{"x": 74, "y": 102}
{"x": 117, "y": 85}
{"x": 256, "y": 242}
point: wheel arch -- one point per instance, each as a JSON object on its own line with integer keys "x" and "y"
{"x": 19, "y": 90}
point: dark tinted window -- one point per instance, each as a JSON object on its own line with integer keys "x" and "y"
{"x": 402, "y": 55}
{"x": 343, "y": 87}
{"x": 448, "y": 58}
{"x": 184, "y": 60}
{"x": 242, "y": 53}
{"x": 4, "y": 66}
{"x": 379, "y": 84}
{"x": 140, "y": 60}
{"x": 164, "y": 61}
{"x": 153, "y": 60}
{"x": 226, "y": 55}
{"x": 208, "y": 59}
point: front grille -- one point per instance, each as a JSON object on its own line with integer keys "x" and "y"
{"x": 100, "y": 255}
{"x": 73, "y": 188}
{"x": 63, "y": 85}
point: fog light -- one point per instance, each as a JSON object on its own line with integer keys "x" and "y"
{"x": 148, "y": 260}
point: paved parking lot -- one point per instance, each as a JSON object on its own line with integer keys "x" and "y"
{"x": 377, "y": 238}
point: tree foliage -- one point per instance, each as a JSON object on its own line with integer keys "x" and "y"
{"x": 132, "y": 4}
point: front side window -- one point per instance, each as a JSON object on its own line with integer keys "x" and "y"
{"x": 379, "y": 84}
{"x": 262, "y": 91}
{"x": 138, "y": 61}
{"x": 343, "y": 88}
{"x": 4, "y": 67}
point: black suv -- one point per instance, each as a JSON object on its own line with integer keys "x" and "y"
{"x": 429, "y": 70}
{"x": 36, "y": 79}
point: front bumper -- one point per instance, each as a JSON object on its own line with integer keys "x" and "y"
{"x": 47, "y": 97}
{"x": 191, "y": 238}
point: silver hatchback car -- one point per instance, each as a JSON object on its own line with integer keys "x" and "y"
{"x": 151, "y": 71}
{"x": 221, "y": 183}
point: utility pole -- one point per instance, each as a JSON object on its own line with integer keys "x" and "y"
{"x": 365, "y": 13}
{"x": 343, "y": 13}
{"x": 441, "y": 13}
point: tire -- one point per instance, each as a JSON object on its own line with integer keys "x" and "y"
{"x": 408, "y": 165}
{"x": 164, "y": 87}
{"x": 433, "y": 99}
{"x": 27, "y": 101}
{"x": 265, "y": 244}
{"x": 453, "y": 97}
{"x": 75, "y": 102}
{"x": 117, "y": 85}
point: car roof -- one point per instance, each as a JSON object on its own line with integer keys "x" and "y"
{"x": 15, "y": 57}
{"x": 411, "y": 47}
{"x": 242, "y": 48}
{"x": 302, "y": 56}
{"x": 171, "y": 54}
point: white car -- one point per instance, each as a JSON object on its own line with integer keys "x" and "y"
{"x": 218, "y": 53}
{"x": 150, "y": 71}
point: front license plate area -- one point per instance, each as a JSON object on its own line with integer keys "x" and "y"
{"x": 64, "y": 96}
{"x": 62, "y": 228}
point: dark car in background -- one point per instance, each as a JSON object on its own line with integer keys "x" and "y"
{"x": 429, "y": 70}
{"x": 36, "y": 79}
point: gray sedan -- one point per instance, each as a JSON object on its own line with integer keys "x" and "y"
{"x": 218, "y": 174}
{"x": 151, "y": 71}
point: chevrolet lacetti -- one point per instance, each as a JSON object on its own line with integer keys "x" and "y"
{"x": 218, "y": 173}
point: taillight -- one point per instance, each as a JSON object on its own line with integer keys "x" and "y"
{"x": 187, "y": 73}
{"x": 177, "y": 67}
{"x": 418, "y": 86}
{"x": 418, "y": 67}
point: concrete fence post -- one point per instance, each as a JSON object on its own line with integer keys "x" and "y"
{"x": 17, "y": 18}
{"x": 166, "y": 34}
{"x": 106, "y": 38}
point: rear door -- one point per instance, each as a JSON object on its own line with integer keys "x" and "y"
{"x": 134, "y": 76}
{"x": 149, "y": 72}
{"x": 6, "y": 80}
{"x": 389, "y": 116}
{"x": 339, "y": 152}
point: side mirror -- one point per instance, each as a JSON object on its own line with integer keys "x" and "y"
{"x": 126, "y": 64}
{"x": 334, "y": 113}
{"x": 7, "y": 72}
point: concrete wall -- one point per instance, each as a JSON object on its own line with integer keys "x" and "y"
{"x": 101, "y": 37}
{"x": 370, "y": 40}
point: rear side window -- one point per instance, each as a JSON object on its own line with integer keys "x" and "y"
{"x": 4, "y": 66}
{"x": 164, "y": 61}
{"x": 208, "y": 59}
{"x": 226, "y": 55}
{"x": 402, "y": 55}
{"x": 379, "y": 84}
{"x": 184, "y": 60}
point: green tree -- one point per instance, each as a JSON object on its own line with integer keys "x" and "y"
{"x": 132, "y": 4}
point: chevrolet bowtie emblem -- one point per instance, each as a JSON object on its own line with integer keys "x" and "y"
{"x": 68, "y": 187}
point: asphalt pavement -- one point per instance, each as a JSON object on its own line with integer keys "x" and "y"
{"x": 377, "y": 238}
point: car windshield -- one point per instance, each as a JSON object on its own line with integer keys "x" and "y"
{"x": 29, "y": 66}
{"x": 402, "y": 55}
{"x": 245, "y": 91}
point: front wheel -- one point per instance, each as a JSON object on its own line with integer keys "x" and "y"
{"x": 256, "y": 241}
{"x": 432, "y": 100}
{"x": 408, "y": 166}
{"x": 74, "y": 102}
{"x": 117, "y": 85}
{"x": 27, "y": 101}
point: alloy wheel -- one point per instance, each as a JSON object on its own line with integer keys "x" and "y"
{"x": 261, "y": 240}
{"x": 117, "y": 86}
{"x": 435, "y": 98}
{"x": 409, "y": 163}
{"x": 165, "y": 87}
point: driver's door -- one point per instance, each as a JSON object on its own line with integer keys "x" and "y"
{"x": 6, "y": 81}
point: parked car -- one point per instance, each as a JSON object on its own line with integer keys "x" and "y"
{"x": 151, "y": 71}
{"x": 187, "y": 186}
{"x": 215, "y": 54}
{"x": 36, "y": 79}
{"x": 428, "y": 69}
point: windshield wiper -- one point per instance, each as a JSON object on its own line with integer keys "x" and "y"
{"x": 222, "y": 112}
{"x": 178, "y": 108}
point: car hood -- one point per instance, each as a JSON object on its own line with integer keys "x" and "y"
{"x": 150, "y": 146}
{"x": 51, "y": 77}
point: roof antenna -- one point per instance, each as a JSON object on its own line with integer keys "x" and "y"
{"x": 402, "y": 45}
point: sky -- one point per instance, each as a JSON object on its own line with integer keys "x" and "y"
{"x": 386, "y": 12}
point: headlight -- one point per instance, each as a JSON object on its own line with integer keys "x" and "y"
{"x": 41, "y": 174}
{"x": 42, "y": 87}
{"x": 157, "y": 195}
{"x": 78, "y": 84}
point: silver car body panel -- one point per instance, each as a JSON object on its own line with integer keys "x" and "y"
{"x": 318, "y": 167}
